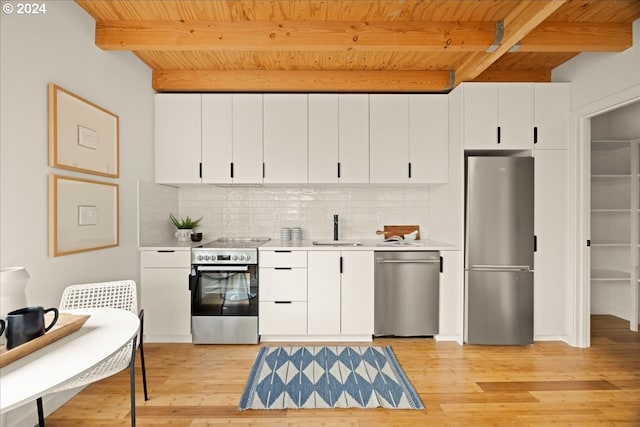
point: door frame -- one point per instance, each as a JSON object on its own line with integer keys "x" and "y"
{"x": 580, "y": 326}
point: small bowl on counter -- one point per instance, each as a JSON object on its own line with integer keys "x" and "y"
{"x": 196, "y": 237}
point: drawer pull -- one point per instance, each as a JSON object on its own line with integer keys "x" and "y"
{"x": 282, "y": 302}
{"x": 166, "y": 251}
{"x": 282, "y": 268}
{"x": 282, "y": 252}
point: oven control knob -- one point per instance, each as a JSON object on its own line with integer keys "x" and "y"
{"x": 207, "y": 257}
{"x": 242, "y": 257}
{"x": 235, "y": 257}
{"x": 199, "y": 258}
{"x": 248, "y": 257}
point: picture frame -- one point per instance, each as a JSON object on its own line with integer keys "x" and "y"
{"x": 83, "y": 215}
{"x": 83, "y": 137}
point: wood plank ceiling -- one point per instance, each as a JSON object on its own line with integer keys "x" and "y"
{"x": 356, "y": 45}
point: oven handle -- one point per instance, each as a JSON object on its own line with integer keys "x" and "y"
{"x": 224, "y": 268}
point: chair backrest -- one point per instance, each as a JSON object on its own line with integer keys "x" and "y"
{"x": 120, "y": 294}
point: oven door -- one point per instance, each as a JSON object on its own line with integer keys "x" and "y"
{"x": 224, "y": 290}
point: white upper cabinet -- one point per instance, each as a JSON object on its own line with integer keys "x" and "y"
{"x": 285, "y": 138}
{"x": 177, "y": 136}
{"x": 338, "y": 138}
{"x": 353, "y": 134}
{"x": 498, "y": 116}
{"x": 323, "y": 138}
{"x": 409, "y": 138}
{"x": 552, "y": 104}
{"x": 247, "y": 138}
{"x": 217, "y": 138}
{"x": 429, "y": 138}
{"x": 389, "y": 138}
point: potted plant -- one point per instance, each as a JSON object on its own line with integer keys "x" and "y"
{"x": 185, "y": 226}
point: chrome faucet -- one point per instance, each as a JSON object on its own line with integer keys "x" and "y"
{"x": 335, "y": 227}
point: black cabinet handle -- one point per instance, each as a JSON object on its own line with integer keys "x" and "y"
{"x": 588, "y": 242}
{"x": 441, "y": 265}
{"x": 338, "y": 169}
{"x": 165, "y": 251}
{"x": 282, "y": 302}
{"x": 263, "y": 170}
{"x": 499, "y": 135}
{"x": 200, "y": 170}
{"x": 340, "y": 265}
{"x": 231, "y": 164}
{"x": 409, "y": 169}
{"x": 535, "y": 243}
{"x": 535, "y": 134}
{"x": 282, "y": 252}
{"x": 282, "y": 268}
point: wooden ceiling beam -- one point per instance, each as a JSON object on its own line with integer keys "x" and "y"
{"x": 578, "y": 37}
{"x": 539, "y": 76}
{"x": 295, "y": 36}
{"x": 526, "y": 16}
{"x": 300, "y": 81}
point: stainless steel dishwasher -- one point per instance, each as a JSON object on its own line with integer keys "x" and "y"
{"x": 407, "y": 293}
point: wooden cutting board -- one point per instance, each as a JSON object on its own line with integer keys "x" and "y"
{"x": 399, "y": 230}
{"x": 66, "y": 324}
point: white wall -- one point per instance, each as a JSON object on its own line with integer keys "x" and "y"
{"x": 59, "y": 47}
{"x": 600, "y": 82}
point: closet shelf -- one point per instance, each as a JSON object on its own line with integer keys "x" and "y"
{"x": 609, "y": 275}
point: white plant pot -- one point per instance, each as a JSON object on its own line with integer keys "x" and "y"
{"x": 184, "y": 234}
{"x": 13, "y": 284}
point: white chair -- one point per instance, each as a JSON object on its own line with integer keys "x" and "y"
{"x": 117, "y": 294}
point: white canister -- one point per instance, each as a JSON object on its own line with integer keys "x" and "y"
{"x": 13, "y": 284}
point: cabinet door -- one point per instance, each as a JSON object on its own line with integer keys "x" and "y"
{"x": 480, "y": 115}
{"x": 247, "y": 138}
{"x": 515, "y": 115}
{"x": 285, "y": 138}
{"x": 323, "y": 303}
{"x": 177, "y": 138}
{"x": 166, "y": 300}
{"x": 357, "y": 293}
{"x": 217, "y": 137}
{"x": 551, "y": 226}
{"x": 323, "y": 138}
{"x": 278, "y": 318}
{"x": 389, "y": 138}
{"x": 451, "y": 296}
{"x": 551, "y": 115}
{"x": 353, "y": 131}
{"x": 429, "y": 138}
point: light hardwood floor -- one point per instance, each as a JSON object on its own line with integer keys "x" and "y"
{"x": 546, "y": 384}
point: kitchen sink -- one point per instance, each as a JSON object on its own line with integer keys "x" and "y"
{"x": 335, "y": 243}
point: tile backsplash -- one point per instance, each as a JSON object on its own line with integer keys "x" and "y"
{"x": 262, "y": 211}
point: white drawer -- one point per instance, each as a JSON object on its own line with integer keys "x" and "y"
{"x": 165, "y": 259}
{"x": 282, "y": 259}
{"x": 283, "y": 284}
{"x": 283, "y": 319}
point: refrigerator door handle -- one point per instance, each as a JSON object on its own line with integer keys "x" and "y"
{"x": 494, "y": 267}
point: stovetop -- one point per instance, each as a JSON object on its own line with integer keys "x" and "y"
{"x": 234, "y": 243}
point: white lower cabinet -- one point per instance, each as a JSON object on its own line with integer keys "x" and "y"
{"x": 340, "y": 293}
{"x": 165, "y": 295}
{"x": 283, "y": 293}
{"x": 451, "y": 297}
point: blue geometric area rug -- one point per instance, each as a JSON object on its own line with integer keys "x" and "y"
{"x": 328, "y": 377}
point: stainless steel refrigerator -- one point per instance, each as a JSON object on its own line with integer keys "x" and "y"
{"x": 499, "y": 246}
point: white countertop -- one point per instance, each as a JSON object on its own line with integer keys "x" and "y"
{"x": 170, "y": 245}
{"x": 365, "y": 244}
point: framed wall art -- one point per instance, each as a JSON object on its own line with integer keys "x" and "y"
{"x": 83, "y": 215}
{"x": 83, "y": 137}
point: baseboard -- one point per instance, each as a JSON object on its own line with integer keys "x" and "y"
{"x": 167, "y": 338}
{"x": 27, "y": 415}
{"x": 449, "y": 337}
{"x": 563, "y": 338}
{"x": 316, "y": 338}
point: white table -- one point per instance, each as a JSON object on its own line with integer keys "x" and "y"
{"x": 49, "y": 368}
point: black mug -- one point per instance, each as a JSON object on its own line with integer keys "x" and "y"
{"x": 27, "y": 323}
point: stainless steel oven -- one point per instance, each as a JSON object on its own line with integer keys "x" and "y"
{"x": 224, "y": 292}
